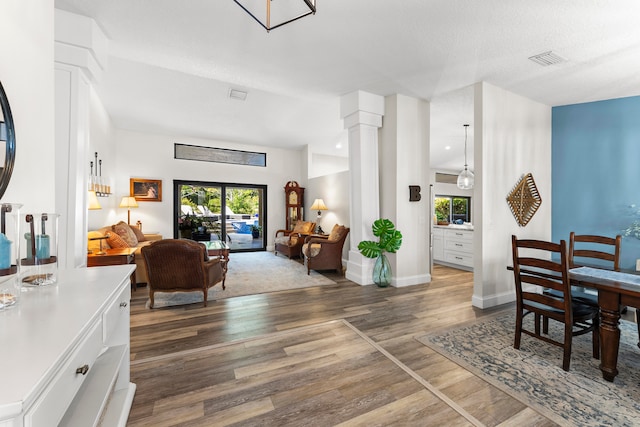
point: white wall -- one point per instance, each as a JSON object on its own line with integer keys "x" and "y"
{"x": 404, "y": 161}
{"x": 323, "y": 164}
{"x": 26, "y": 71}
{"x": 150, "y": 156}
{"x": 102, "y": 141}
{"x": 513, "y": 137}
{"x": 334, "y": 190}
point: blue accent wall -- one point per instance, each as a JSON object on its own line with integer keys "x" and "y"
{"x": 596, "y": 171}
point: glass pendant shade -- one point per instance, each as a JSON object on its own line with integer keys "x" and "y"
{"x": 465, "y": 178}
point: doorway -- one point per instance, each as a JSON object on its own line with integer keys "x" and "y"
{"x": 233, "y": 213}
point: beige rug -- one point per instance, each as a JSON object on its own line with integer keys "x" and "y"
{"x": 534, "y": 375}
{"x": 251, "y": 273}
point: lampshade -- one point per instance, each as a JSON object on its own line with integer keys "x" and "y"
{"x": 465, "y": 178}
{"x": 318, "y": 205}
{"x": 94, "y": 204}
{"x": 274, "y": 14}
{"x": 128, "y": 202}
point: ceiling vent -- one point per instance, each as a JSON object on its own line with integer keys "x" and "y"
{"x": 237, "y": 94}
{"x": 547, "y": 58}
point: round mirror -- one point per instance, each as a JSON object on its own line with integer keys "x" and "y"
{"x": 8, "y": 140}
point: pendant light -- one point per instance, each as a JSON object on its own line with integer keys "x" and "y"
{"x": 465, "y": 178}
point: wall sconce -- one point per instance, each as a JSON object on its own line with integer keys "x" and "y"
{"x": 318, "y": 205}
{"x": 96, "y": 183}
{"x": 128, "y": 202}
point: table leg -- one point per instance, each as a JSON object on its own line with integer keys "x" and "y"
{"x": 609, "y": 303}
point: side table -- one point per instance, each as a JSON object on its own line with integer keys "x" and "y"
{"x": 115, "y": 256}
{"x": 220, "y": 249}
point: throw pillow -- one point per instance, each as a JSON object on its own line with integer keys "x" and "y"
{"x": 336, "y": 232}
{"x": 126, "y": 233}
{"x": 115, "y": 241}
{"x": 304, "y": 227}
{"x": 139, "y": 234}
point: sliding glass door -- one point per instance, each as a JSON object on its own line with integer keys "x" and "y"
{"x": 234, "y": 213}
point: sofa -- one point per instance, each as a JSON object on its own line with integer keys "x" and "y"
{"x": 122, "y": 235}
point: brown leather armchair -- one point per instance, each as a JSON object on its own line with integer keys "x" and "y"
{"x": 289, "y": 242}
{"x": 325, "y": 252}
{"x": 180, "y": 265}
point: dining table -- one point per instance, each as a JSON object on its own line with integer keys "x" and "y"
{"x": 616, "y": 289}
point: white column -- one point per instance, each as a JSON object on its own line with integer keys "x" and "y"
{"x": 362, "y": 114}
{"x": 80, "y": 56}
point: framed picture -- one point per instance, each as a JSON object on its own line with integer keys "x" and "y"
{"x": 146, "y": 190}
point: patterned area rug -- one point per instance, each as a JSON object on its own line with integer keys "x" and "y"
{"x": 251, "y": 273}
{"x": 534, "y": 374}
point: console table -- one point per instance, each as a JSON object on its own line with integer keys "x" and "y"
{"x": 65, "y": 352}
{"x": 114, "y": 256}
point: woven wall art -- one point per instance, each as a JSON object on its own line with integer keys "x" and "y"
{"x": 524, "y": 200}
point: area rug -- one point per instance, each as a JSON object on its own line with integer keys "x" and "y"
{"x": 534, "y": 375}
{"x": 251, "y": 273}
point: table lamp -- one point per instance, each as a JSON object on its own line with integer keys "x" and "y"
{"x": 128, "y": 202}
{"x": 94, "y": 204}
{"x": 318, "y": 205}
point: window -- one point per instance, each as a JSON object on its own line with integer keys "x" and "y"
{"x": 452, "y": 208}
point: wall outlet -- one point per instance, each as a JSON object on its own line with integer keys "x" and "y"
{"x": 638, "y": 265}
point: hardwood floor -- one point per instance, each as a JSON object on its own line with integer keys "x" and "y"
{"x": 341, "y": 354}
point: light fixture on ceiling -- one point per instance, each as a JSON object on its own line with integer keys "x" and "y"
{"x": 465, "y": 178}
{"x": 279, "y": 13}
{"x": 238, "y": 94}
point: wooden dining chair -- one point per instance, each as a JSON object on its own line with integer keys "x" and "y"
{"x": 600, "y": 251}
{"x": 536, "y": 268}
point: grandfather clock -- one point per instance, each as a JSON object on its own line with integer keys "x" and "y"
{"x": 294, "y": 199}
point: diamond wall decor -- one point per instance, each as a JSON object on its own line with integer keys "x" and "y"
{"x": 524, "y": 200}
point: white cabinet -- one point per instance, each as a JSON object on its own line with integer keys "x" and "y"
{"x": 456, "y": 248}
{"x": 68, "y": 349}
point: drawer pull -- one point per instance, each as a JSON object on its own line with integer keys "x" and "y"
{"x": 459, "y": 258}
{"x": 83, "y": 370}
{"x": 123, "y": 304}
{"x": 458, "y": 244}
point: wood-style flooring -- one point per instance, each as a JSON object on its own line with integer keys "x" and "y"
{"x": 341, "y": 354}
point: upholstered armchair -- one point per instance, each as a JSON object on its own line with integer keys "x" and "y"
{"x": 325, "y": 252}
{"x": 180, "y": 265}
{"x": 289, "y": 242}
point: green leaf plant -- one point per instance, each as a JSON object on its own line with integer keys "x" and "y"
{"x": 390, "y": 239}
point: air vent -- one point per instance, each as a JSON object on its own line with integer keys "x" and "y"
{"x": 237, "y": 94}
{"x": 547, "y": 58}
{"x": 446, "y": 178}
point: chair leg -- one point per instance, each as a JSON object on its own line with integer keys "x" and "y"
{"x": 568, "y": 335}
{"x": 204, "y": 296}
{"x": 516, "y": 341}
{"x": 596, "y": 338}
{"x": 638, "y": 322}
{"x": 545, "y": 325}
{"x": 537, "y": 320}
{"x": 151, "y": 298}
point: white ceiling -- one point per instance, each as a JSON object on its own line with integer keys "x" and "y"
{"x": 172, "y": 63}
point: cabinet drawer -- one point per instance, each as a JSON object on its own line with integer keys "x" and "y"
{"x": 459, "y": 245}
{"x": 466, "y": 236}
{"x": 458, "y": 258}
{"x": 51, "y": 406}
{"x": 118, "y": 311}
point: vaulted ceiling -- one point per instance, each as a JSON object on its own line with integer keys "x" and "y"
{"x": 172, "y": 63}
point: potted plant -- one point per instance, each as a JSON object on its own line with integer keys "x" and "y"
{"x": 389, "y": 240}
{"x": 255, "y": 231}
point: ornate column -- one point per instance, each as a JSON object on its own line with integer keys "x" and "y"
{"x": 362, "y": 114}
